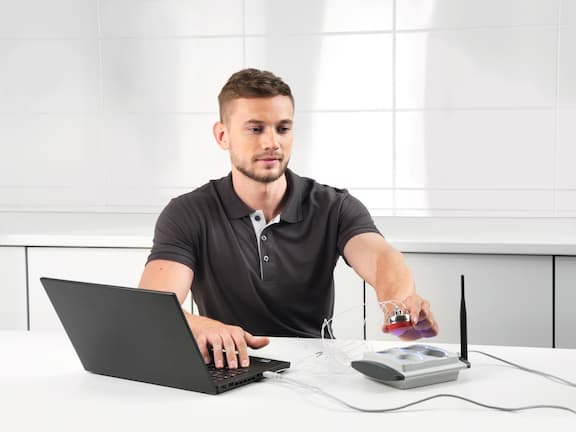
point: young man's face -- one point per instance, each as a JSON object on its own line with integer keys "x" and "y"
{"x": 258, "y": 134}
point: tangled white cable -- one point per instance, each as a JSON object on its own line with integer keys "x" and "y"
{"x": 340, "y": 352}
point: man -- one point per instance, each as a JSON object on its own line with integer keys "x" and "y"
{"x": 258, "y": 247}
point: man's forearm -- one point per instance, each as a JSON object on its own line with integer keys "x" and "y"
{"x": 393, "y": 279}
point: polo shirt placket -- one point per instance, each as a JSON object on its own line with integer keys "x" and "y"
{"x": 263, "y": 238}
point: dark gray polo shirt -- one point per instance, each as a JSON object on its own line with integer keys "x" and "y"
{"x": 284, "y": 289}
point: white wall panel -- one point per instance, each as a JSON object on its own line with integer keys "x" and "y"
{"x": 173, "y": 153}
{"x": 566, "y": 203}
{"x": 171, "y": 150}
{"x": 352, "y": 150}
{"x": 305, "y": 16}
{"x": 49, "y": 76}
{"x": 380, "y": 201}
{"x": 341, "y": 72}
{"x": 476, "y": 68}
{"x": 92, "y": 94}
{"x": 146, "y": 18}
{"x": 566, "y": 149}
{"x": 42, "y": 150}
{"x": 427, "y": 14}
{"x": 48, "y": 19}
{"x": 50, "y": 162}
{"x": 167, "y": 75}
{"x": 475, "y": 149}
{"x": 567, "y": 67}
{"x": 470, "y": 201}
{"x": 568, "y": 12}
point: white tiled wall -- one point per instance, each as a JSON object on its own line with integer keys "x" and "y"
{"x": 477, "y": 68}
{"x": 170, "y": 18}
{"x": 328, "y": 140}
{"x": 419, "y": 107}
{"x": 49, "y": 19}
{"x": 565, "y": 157}
{"x": 486, "y": 149}
{"x": 459, "y": 14}
{"x": 329, "y": 72}
{"x": 48, "y": 76}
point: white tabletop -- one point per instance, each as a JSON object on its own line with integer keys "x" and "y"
{"x": 43, "y": 387}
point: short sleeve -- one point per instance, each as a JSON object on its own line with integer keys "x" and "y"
{"x": 174, "y": 237}
{"x": 354, "y": 219}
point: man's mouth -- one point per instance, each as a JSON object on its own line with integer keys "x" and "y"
{"x": 268, "y": 158}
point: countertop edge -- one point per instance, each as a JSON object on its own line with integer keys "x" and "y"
{"x": 529, "y": 236}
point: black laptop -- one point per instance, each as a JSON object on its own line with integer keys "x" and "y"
{"x": 141, "y": 335}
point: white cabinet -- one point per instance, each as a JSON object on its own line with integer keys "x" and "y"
{"x": 114, "y": 266}
{"x": 13, "y": 307}
{"x": 508, "y": 297}
{"x": 348, "y": 321}
{"x": 565, "y": 302}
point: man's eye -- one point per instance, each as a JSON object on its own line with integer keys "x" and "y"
{"x": 255, "y": 129}
{"x": 284, "y": 129}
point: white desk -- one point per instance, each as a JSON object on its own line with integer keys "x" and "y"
{"x": 43, "y": 387}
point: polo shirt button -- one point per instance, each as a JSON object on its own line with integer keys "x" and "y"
{"x": 257, "y": 217}
{"x": 264, "y": 238}
{"x": 266, "y": 258}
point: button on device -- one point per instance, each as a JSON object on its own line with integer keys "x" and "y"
{"x": 266, "y": 258}
{"x": 264, "y": 238}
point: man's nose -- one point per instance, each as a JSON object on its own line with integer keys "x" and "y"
{"x": 270, "y": 140}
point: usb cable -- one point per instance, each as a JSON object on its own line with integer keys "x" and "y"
{"x": 278, "y": 377}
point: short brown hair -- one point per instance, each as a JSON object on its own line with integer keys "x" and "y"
{"x": 252, "y": 83}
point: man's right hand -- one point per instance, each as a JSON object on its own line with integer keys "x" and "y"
{"x": 225, "y": 341}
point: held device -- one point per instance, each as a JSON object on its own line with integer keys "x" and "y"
{"x": 415, "y": 365}
{"x": 398, "y": 322}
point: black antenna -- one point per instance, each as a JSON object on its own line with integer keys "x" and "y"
{"x": 463, "y": 330}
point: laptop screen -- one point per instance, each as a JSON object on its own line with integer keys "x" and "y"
{"x": 140, "y": 335}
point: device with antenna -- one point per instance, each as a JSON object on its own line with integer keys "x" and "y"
{"x": 416, "y": 365}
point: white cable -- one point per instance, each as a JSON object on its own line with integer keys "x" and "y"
{"x": 279, "y": 377}
{"x": 534, "y": 371}
{"x": 326, "y": 326}
{"x": 341, "y": 353}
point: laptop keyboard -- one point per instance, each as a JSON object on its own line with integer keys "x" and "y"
{"x": 222, "y": 374}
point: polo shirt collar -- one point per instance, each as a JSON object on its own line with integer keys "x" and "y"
{"x": 235, "y": 208}
{"x": 233, "y": 205}
{"x": 292, "y": 212}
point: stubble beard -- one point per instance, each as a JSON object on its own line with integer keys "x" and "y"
{"x": 268, "y": 177}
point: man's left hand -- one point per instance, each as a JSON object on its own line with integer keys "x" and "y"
{"x": 423, "y": 322}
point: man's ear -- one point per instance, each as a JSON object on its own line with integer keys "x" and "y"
{"x": 221, "y": 135}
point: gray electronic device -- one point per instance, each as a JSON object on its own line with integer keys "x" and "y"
{"x": 417, "y": 365}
